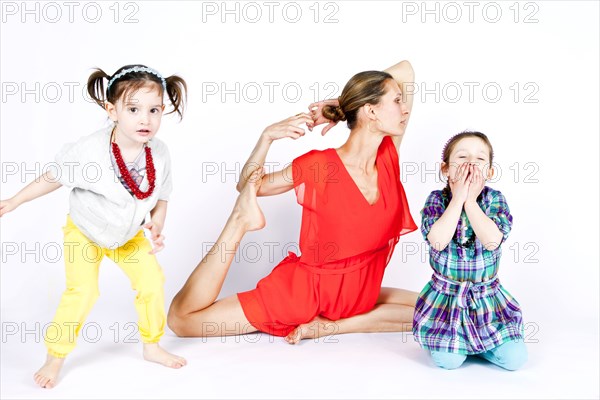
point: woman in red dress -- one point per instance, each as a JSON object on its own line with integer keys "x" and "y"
{"x": 354, "y": 212}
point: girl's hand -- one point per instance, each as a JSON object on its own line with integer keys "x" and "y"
{"x": 289, "y": 127}
{"x": 156, "y": 236}
{"x": 7, "y": 206}
{"x": 316, "y": 110}
{"x": 476, "y": 183}
{"x": 460, "y": 184}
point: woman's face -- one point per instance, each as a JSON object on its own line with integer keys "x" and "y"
{"x": 391, "y": 112}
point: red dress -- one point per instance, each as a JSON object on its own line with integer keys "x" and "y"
{"x": 345, "y": 244}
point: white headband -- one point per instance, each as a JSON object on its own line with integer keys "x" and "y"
{"x": 138, "y": 69}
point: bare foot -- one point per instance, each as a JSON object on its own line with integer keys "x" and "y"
{"x": 47, "y": 376}
{"x": 314, "y": 329}
{"x": 153, "y": 352}
{"x": 246, "y": 209}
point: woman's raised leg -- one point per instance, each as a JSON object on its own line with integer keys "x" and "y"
{"x": 193, "y": 311}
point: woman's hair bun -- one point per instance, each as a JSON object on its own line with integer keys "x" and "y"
{"x": 334, "y": 113}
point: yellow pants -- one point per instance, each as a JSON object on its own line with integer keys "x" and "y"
{"x": 82, "y": 261}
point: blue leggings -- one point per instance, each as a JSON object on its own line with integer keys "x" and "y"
{"x": 509, "y": 355}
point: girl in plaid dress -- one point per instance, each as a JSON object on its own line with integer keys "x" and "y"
{"x": 464, "y": 310}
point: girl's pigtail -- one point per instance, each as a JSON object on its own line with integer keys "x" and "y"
{"x": 95, "y": 86}
{"x": 177, "y": 93}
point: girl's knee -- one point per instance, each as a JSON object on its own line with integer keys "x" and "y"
{"x": 511, "y": 356}
{"x": 152, "y": 282}
{"x": 448, "y": 360}
{"x": 514, "y": 363}
{"x": 83, "y": 293}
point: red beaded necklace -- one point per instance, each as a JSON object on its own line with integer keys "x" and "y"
{"x": 127, "y": 176}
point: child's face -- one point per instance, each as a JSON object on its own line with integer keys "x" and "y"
{"x": 138, "y": 115}
{"x": 471, "y": 150}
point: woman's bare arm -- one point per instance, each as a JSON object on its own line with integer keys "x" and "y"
{"x": 280, "y": 181}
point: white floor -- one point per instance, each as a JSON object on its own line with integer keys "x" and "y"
{"x": 379, "y": 366}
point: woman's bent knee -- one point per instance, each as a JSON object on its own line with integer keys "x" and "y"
{"x": 176, "y": 323}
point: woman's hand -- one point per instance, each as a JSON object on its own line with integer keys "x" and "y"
{"x": 289, "y": 127}
{"x": 459, "y": 185}
{"x": 476, "y": 183}
{"x": 316, "y": 110}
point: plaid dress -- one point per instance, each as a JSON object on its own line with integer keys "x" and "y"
{"x": 464, "y": 309}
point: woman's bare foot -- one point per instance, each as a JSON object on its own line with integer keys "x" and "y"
{"x": 153, "y": 352}
{"x": 47, "y": 376}
{"x": 246, "y": 211}
{"x": 316, "y": 328}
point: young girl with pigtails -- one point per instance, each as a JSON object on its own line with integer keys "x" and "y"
{"x": 108, "y": 212}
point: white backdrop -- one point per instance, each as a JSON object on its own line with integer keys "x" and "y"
{"x": 524, "y": 73}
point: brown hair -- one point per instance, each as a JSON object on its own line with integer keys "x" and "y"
{"x": 451, "y": 144}
{"x": 363, "y": 88}
{"x": 133, "y": 81}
